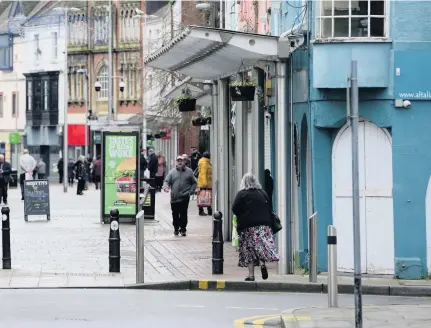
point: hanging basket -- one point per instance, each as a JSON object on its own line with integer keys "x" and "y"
{"x": 187, "y": 105}
{"x": 149, "y": 136}
{"x": 198, "y": 121}
{"x": 242, "y": 92}
{"x": 163, "y": 134}
{"x": 157, "y": 136}
{"x": 208, "y": 121}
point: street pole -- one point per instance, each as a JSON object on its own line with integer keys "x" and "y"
{"x": 110, "y": 64}
{"x": 86, "y": 114}
{"x": 144, "y": 111}
{"x": 354, "y": 119}
{"x": 66, "y": 94}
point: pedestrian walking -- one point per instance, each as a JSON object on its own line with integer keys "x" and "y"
{"x": 41, "y": 169}
{"x": 71, "y": 172}
{"x": 143, "y": 164}
{"x": 253, "y": 210}
{"x": 153, "y": 163}
{"x": 186, "y": 161}
{"x": 5, "y": 169}
{"x": 97, "y": 170}
{"x": 60, "y": 170}
{"x": 80, "y": 175}
{"x": 194, "y": 158}
{"x": 182, "y": 183}
{"x": 28, "y": 166}
{"x": 205, "y": 176}
{"x": 161, "y": 170}
{"x": 269, "y": 184}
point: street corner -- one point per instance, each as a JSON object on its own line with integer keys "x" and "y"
{"x": 284, "y": 320}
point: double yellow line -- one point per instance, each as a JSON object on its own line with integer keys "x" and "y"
{"x": 260, "y": 320}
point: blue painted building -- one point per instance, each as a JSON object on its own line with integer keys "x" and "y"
{"x": 391, "y": 41}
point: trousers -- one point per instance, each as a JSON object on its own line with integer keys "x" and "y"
{"x": 179, "y": 215}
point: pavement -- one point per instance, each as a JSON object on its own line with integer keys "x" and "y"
{"x": 71, "y": 250}
{"x": 376, "y": 316}
{"x": 168, "y": 309}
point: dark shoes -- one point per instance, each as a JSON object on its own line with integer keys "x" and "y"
{"x": 183, "y": 233}
{"x": 264, "y": 272}
{"x": 202, "y": 214}
{"x": 249, "y": 279}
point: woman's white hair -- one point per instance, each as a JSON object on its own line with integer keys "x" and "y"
{"x": 249, "y": 181}
{"x": 81, "y": 158}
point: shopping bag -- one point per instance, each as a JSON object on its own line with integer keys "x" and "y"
{"x": 234, "y": 232}
{"x": 204, "y": 198}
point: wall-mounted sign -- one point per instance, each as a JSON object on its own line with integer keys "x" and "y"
{"x": 14, "y": 138}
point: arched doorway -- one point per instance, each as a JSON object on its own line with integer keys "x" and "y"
{"x": 375, "y": 191}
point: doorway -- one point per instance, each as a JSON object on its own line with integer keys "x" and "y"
{"x": 376, "y": 204}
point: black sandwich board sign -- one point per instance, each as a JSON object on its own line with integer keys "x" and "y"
{"x": 36, "y": 198}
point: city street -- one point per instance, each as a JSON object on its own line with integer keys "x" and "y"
{"x": 134, "y": 308}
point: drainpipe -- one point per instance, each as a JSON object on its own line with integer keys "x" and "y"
{"x": 239, "y": 143}
{"x": 281, "y": 177}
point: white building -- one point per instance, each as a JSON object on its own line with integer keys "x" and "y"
{"x": 44, "y": 67}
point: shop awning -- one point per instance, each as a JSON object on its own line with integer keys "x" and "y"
{"x": 198, "y": 88}
{"x": 209, "y": 53}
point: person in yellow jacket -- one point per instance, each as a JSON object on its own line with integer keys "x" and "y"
{"x": 205, "y": 181}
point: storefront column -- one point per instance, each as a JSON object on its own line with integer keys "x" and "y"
{"x": 281, "y": 172}
{"x": 223, "y": 153}
{"x": 214, "y": 142}
{"x": 258, "y": 127}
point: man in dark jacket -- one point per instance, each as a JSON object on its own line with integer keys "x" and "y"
{"x": 183, "y": 184}
{"x": 97, "y": 171}
{"x": 269, "y": 184}
{"x": 194, "y": 158}
{"x": 143, "y": 164}
{"x": 5, "y": 169}
{"x": 60, "y": 170}
{"x": 153, "y": 163}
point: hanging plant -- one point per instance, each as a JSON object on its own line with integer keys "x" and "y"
{"x": 242, "y": 90}
{"x": 186, "y": 102}
{"x": 149, "y": 136}
{"x": 207, "y": 120}
{"x": 163, "y": 134}
{"x": 198, "y": 121}
{"x": 157, "y": 136}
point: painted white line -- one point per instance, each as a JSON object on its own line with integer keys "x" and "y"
{"x": 248, "y": 308}
{"x": 191, "y": 306}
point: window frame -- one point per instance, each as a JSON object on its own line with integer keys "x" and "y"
{"x": 15, "y": 108}
{"x": 37, "y": 44}
{"x": 319, "y": 22}
{"x": 29, "y": 96}
{"x": 54, "y": 45}
{"x": 103, "y": 77}
{"x": 6, "y": 53}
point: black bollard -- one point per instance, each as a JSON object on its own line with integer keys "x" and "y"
{"x": 5, "y": 227}
{"x": 218, "y": 243}
{"x": 114, "y": 242}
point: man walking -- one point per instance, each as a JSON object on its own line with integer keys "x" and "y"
{"x": 5, "y": 169}
{"x": 153, "y": 163}
{"x": 183, "y": 184}
{"x": 28, "y": 166}
{"x": 60, "y": 170}
{"x": 41, "y": 169}
{"x": 194, "y": 158}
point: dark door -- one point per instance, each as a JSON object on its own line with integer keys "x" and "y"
{"x": 44, "y": 154}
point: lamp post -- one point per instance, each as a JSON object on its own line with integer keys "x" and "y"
{"x": 86, "y": 92}
{"x": 65, "y": 10}
{"x": 110, "y": 64}
{"x": 142, "y": 15}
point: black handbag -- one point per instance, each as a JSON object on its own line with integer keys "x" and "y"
{"x": 275, "y": 220}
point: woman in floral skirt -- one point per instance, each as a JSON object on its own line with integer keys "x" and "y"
{"x": 253, "y": 209}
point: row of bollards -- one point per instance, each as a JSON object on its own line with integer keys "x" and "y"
{"x": 332, "y": 259}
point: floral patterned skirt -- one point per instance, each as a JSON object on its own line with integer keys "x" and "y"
{"x": 255, "y": 245}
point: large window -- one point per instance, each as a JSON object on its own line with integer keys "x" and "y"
{"x": 29, "y": 96}
{"x": 45, "y": 94}
{"x": 6, "y": 50}
{"x": 14, "y": 104}
{"x": 54, "y": 45}
{"x": 104, "y": 81}
{"x": 351, "y": 19}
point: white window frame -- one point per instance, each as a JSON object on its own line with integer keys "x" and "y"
{"x": 104, "y": 82}
{"x": 319, "y": 22}
{"x": 29, "y": 96}
{"x": 37, "y": 45}
{"x": 45, "y": 91}
{"x": 54, "y": 45}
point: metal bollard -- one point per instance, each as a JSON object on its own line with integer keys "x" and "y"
{"x": 332, "y": 267}
{"x": 140, "y": 248}
{"x": 312, "y": 247}
{"x": 114, "y": 242}
{"x": 5, "y": 227}
{"x": 218, "y": 243}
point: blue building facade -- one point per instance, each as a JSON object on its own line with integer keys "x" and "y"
{"x": 391, "y": 41}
